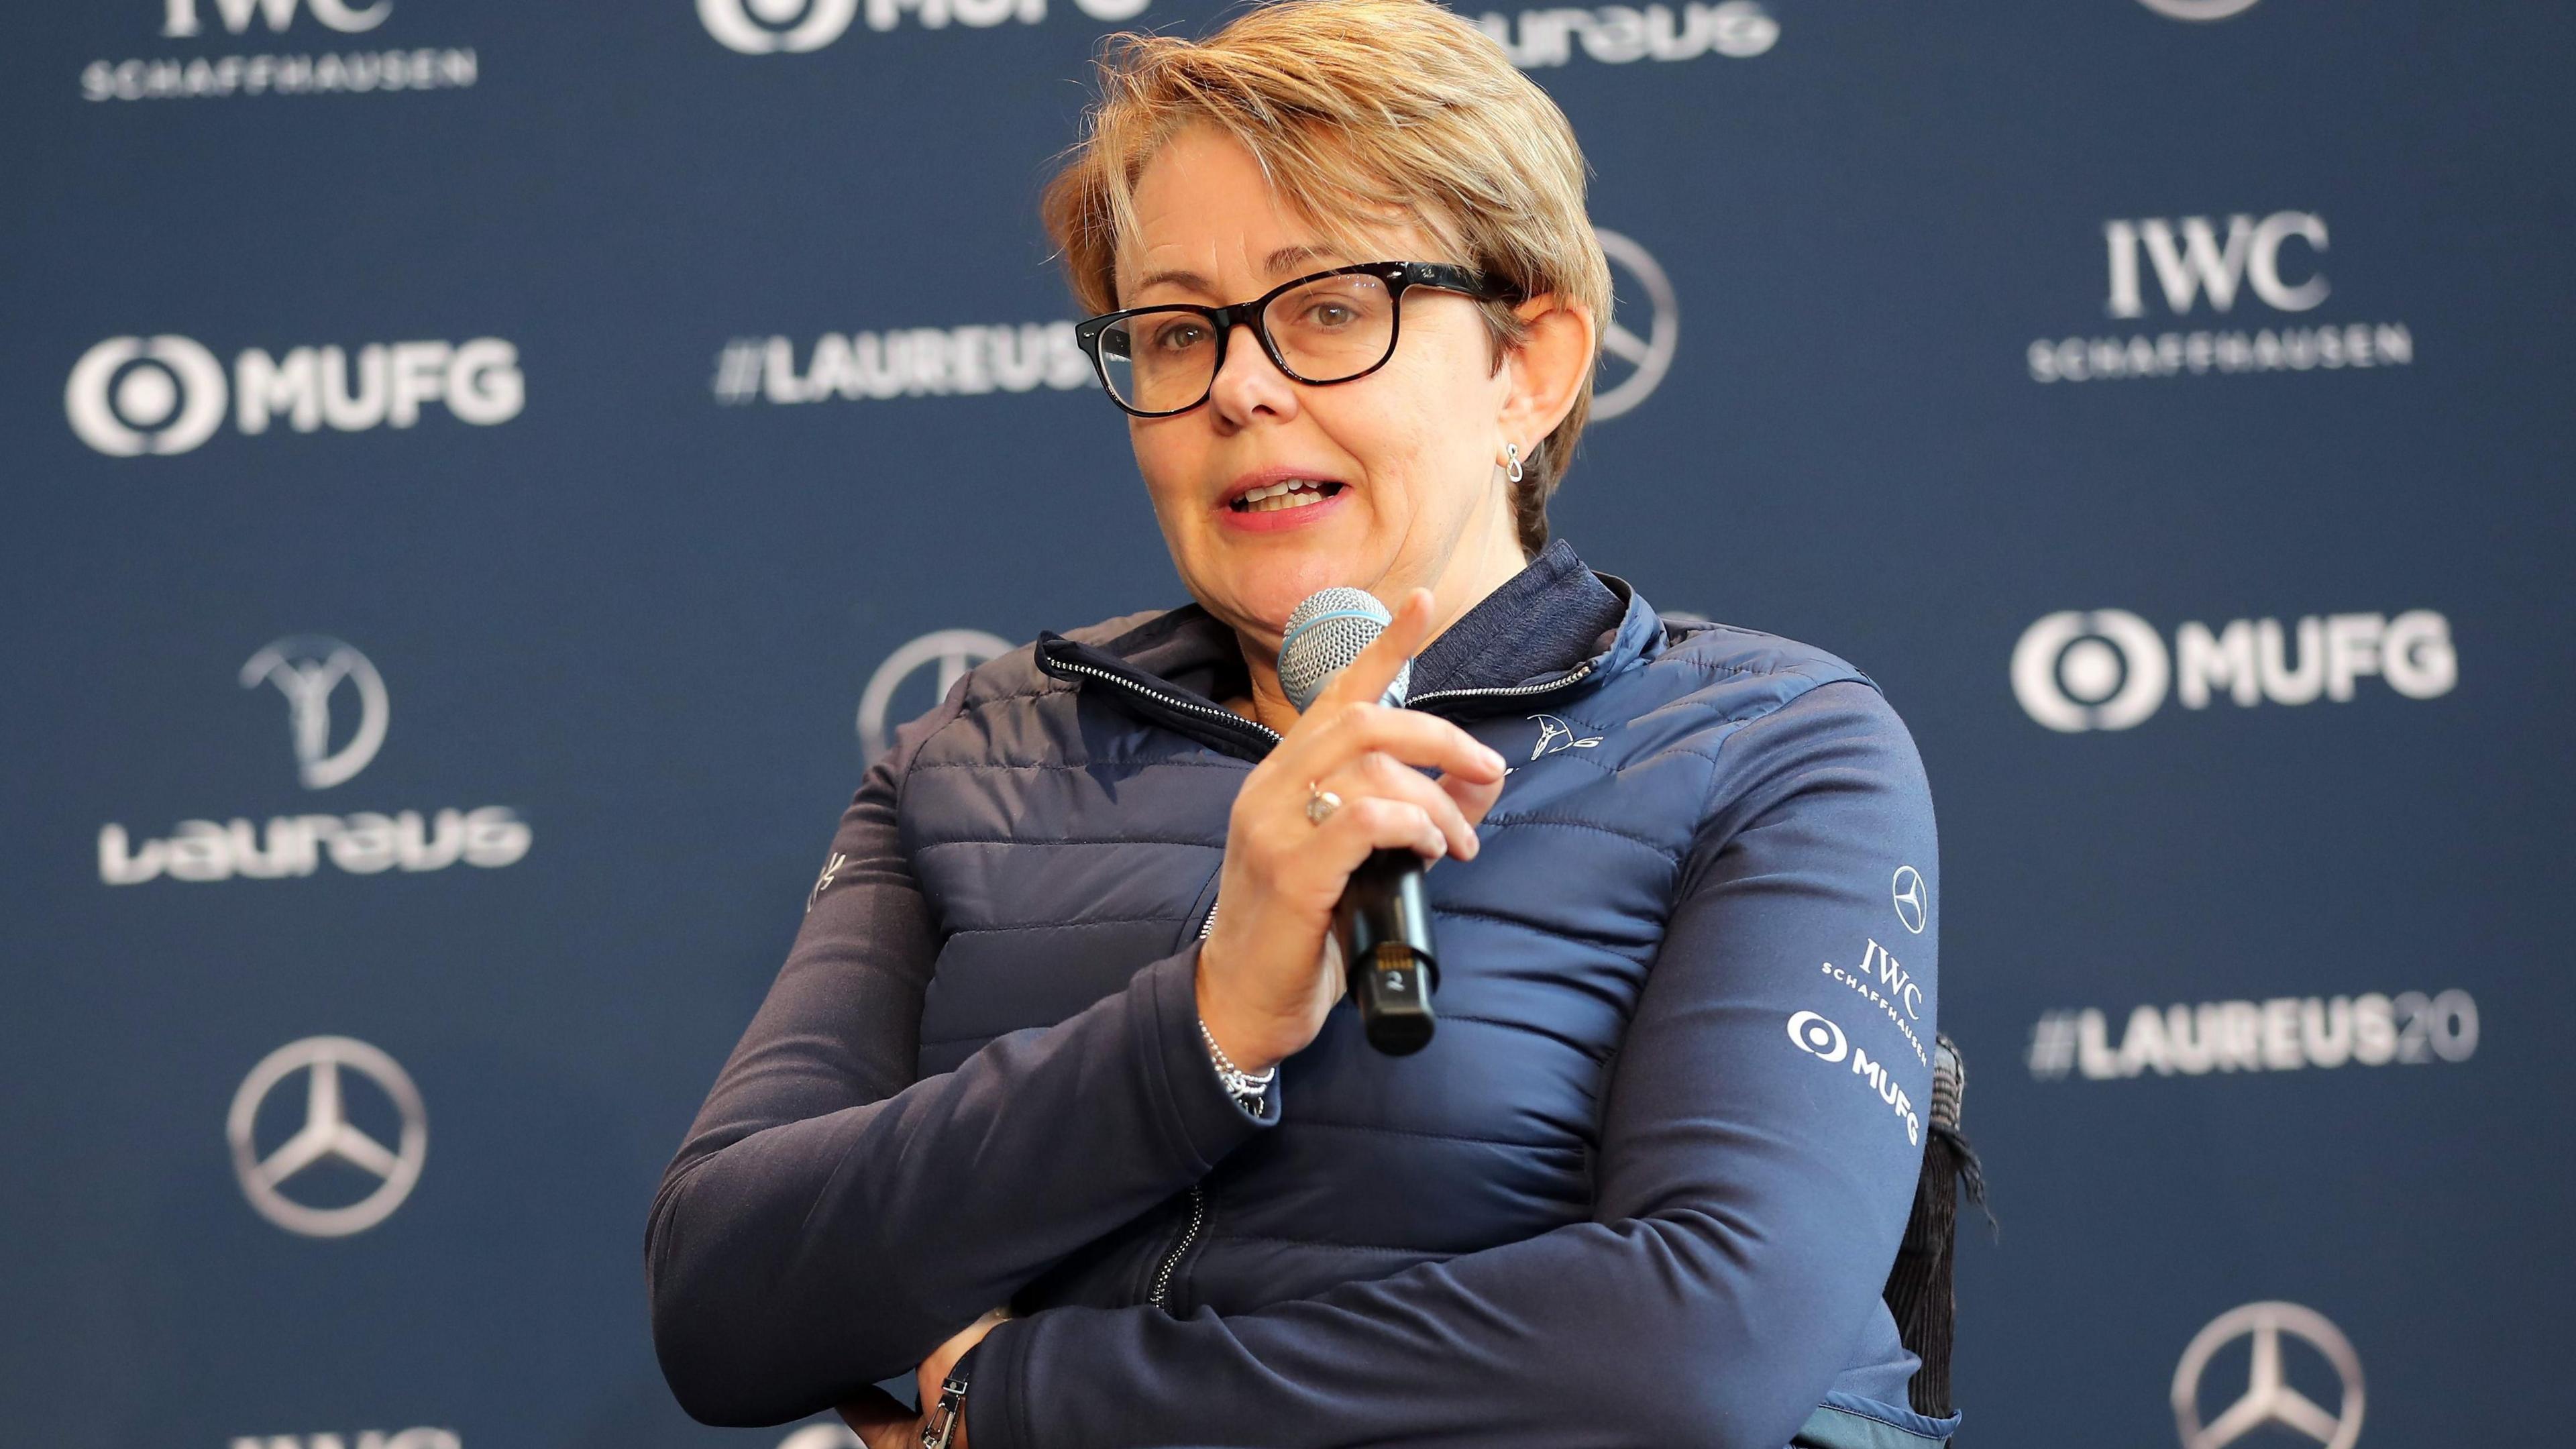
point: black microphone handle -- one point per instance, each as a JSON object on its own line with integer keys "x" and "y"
{"x": 1385, "y": 929}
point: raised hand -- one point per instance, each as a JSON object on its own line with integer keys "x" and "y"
{"x": 1271, "y": 969}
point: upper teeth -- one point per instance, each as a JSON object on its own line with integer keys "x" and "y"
{"x": 1291, "y": 494}
{"x": 1277, "y": 489}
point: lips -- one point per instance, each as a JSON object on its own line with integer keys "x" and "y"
{"x": 1282, "y": 497}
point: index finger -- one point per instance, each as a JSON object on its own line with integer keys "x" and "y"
{"x": 1367, "y": 677}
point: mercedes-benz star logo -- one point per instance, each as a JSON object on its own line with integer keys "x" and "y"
{"x": 307, "y": 668}
{"x": 1913, "y": 899}
{"x": 2198, "y": 9}
{"x": 1650, "y": 356}
{"x": 2269, "y": 1397}
{"x": 327, "y": 1135}
{"x": 954, "y": 650}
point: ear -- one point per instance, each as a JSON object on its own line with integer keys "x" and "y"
{"x": 1547, "y": 369}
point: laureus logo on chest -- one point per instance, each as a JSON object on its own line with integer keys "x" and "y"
{"x": 1556, "y": 736}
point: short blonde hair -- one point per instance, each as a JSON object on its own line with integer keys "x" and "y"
{"x": 1355, "y": 108}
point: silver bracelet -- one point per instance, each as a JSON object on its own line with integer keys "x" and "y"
{"x": 1253, "y": 1091}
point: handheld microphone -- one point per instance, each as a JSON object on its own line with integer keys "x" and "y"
{"x": 1383, "y": 921}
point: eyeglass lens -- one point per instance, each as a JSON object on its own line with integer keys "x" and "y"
{"x": 1328, "y": 330}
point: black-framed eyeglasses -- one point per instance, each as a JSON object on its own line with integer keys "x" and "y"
{"x": 1333, "y": 326}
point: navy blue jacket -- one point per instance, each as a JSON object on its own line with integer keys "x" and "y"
{"x": 1643, "y": 1188}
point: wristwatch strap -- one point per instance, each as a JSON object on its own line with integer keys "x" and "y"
{"x": 939, "y": 1423}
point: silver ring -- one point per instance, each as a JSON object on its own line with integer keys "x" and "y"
{"x": 1320, "y": 802}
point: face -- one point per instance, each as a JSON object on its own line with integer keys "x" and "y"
{"x": 1395, "y": 476}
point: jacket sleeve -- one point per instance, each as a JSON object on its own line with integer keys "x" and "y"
{"x": 1760, "y": 1140}
{"x": 830, "y": 1220}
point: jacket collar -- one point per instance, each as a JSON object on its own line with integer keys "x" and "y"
{"x": 1555, "y": 627}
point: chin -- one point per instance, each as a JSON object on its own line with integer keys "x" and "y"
{"x": 1262, "y": 592}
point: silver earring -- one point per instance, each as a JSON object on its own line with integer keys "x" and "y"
{"x": 1512, "y": 461}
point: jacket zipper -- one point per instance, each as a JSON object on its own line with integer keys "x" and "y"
{"x": 1581, "y": 673}
{"x": 1502, "y": 692}
{"x": 1175, "y": 701}
{"x": 1161, "y": 1295}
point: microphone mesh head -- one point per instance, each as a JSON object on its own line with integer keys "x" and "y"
{"x": 1324, "y": 635}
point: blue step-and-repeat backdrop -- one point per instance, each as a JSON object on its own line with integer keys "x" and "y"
{"x": 481, "y": 476}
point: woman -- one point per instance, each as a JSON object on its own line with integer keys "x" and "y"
{"x": 1643, "y": 1187}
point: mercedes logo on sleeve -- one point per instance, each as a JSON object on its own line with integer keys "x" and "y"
{"x": 1913, "y": 899}
{"x": 2269, "y": 1398}
{"x": 274, "y": 1180}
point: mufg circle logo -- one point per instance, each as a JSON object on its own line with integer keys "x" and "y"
{"x": 133, "y": 395}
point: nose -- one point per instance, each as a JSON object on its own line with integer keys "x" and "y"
{"x": 1249, "y": 385}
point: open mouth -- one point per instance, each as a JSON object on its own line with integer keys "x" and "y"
{"x": 1285, "y": 494}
